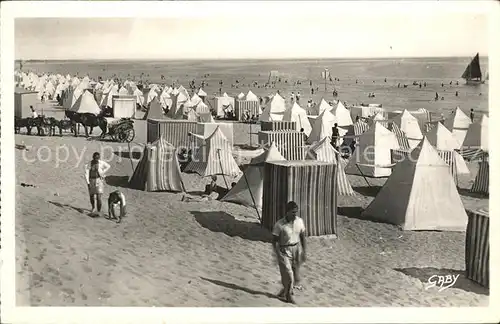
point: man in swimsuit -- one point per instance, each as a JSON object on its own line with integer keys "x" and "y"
{"x": 94, "y": 175}
{"x": 289, "y": 244}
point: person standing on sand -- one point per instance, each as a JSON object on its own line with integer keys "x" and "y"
{"x": 94, "y": 175}
{"x": 472, "y": 115}
{"x": 289, "y": 244}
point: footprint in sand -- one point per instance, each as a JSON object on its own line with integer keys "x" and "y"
{"x": 86, "y": 268}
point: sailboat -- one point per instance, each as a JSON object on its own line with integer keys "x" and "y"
{"x": 472, "y": 73}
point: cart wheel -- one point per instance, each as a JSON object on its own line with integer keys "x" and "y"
{"x": 129, "y": 135}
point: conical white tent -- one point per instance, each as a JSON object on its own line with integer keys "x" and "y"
{"x": 123, "y": 91}
{"x": 322, "y": 127}
{"x": 373, "y": 153}
{"x": 477, "y": 135}
{"x": 241, "y": 96}
{"x": 251, "y": 96}
{"x": 298, "y": 115}
{"x": 322, "y": 106}
{"x": 324, "y": 151}
{"x": 214, "y": 157}
{"x": 274, "y": 110}
{"x": 250, "y": 186}
{"x": 458, "y": 124}
{"x": 442, "y": 139}
{"x": 139, "y": 96}
{"x": 86, "y": 104}
{"x": 420, "y": 194}
{"x": 342, "y": 114}
{"x": 202, "y": 93}
{"x": 410, "y": 126}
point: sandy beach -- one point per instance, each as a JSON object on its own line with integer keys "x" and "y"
{"x": 172, "y": 253}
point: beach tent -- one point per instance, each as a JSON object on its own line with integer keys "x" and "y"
{"x": 482, "y": 182}
{"x": 195, "y": 100}
{"x": 342, "y": 114}
{"x": 251, "y": 96}
{"x": 420, "y": 194}
{"x": 403, "y": 142}
{"x": 108, "y": 99}
{"x": 322, "y": 106}
{"x": 354, "y": 131}
{"x": 202, "y": 93}
{"x": 324, "y": 151}
{"x": 139, "y": 97}
{"x": 176, "y": 110}
{"x": 249, "y": 188}
{"x": 322, "y": 127}
{"x": 158, "y": 169}
{"x": 215, "y": 156}
{"x": 477, "y": 135}
{"x": 86, "y": 104}
{"x": 298, "y": 115}
{"x": 458, "y": 123}
{"x": 201, "y": 108}
{"x": 152, "y": 94}
{"x": 241, "y": 96}
{"x": 442, "y": 139}
{"x": 410, "y": 126}
{"x": 275, "y": 109}
{"x": 155, "y": 111}
{"x": 373, "y": 153}
{"x": 123, "y": 91}
{"x": 165, "y": 99}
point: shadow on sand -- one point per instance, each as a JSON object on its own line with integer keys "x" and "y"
{"x": 236, "y": 287}
{"x": 84, "y": 211}
{"x": 423, "y": 274}
{"x": 355, "y": 212}
{"x": 126, "y": 155}
{"x": 222, "y": 222}
{"x": 368, "y": 191}
{"x": 117, "y": 181}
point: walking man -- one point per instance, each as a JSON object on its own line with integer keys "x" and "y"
{"x": 472, "y": 115}
{"x": 94, "y": 175}
{"x": 289, "y": 243}
{"x": 335, "y": 135}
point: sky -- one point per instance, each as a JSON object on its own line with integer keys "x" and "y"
{"x": 266, "y": 36}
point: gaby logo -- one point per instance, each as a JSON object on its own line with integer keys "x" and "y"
{"x": 443, "y": 282}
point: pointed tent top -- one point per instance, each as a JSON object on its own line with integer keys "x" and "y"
{"x": 241, "y": 96}
{"x": 270, "y": 154}
{"x": 217, "y": 137}
{"x": 86, "y": 104}
{"x": 251, "y": 96}
{"x": 426, "y": 155}
{"x": 442, "y": 138}
{"x": 323, "y": 105}
{"x": 477, "y": 136}
{"x": 175, "y": 92}
{"x": 195, "y": 100}
{"x": 202, "y": 93}
{"x": 123, "y": 91}
{"x": 225, "y": 95}
{"x": 378, "y": 116}
{"x": 458, "y": 119}
{"x": 406, "y": 115}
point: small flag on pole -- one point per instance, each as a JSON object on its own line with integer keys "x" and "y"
{"x": 325, "y": 74}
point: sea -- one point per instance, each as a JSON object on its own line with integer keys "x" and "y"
{"x": 353, "y": 79}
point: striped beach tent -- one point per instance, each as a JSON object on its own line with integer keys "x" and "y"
{"x": 420, "y": 194}
{"x": 214, "y": 157}
{"x": 372, "y": 156}
{"x": 354, "y": 131}
{"x": 249, "y": 188}
{"x": 404, "y": 145}
{"x": 482, "y": 182}
{"x": 324, "y": 151}
{"x": 410, "y": 126}
{"x": 477, "y": 247}
{"x": 458, "y": 123}
{"x": 158, "y": 169}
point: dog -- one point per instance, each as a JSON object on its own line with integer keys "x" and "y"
{"x": 117, "y": 198}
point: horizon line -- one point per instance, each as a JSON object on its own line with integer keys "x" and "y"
{"x": 244, "y": 59}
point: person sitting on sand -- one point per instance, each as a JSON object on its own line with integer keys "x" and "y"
{"x": 94, "y": 175}
{"x": 212, "y": 186}
{"x": 289, "y": 244}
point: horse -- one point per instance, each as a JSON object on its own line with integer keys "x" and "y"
{"x": 41, "y": 122}
{"x": 23, "y": 122}
{"x": 65, "y": 124}
{"x": 87, "y": 120}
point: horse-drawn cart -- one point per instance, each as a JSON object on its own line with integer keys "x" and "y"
{"x": 122, "y": 130}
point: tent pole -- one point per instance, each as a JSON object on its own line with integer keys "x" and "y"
{"x": 222, "y": 169}
{"x": 253, "y": 199}
{"x": 357, "y": 166}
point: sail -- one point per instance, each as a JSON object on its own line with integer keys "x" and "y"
{"x": 473, "y": 70}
